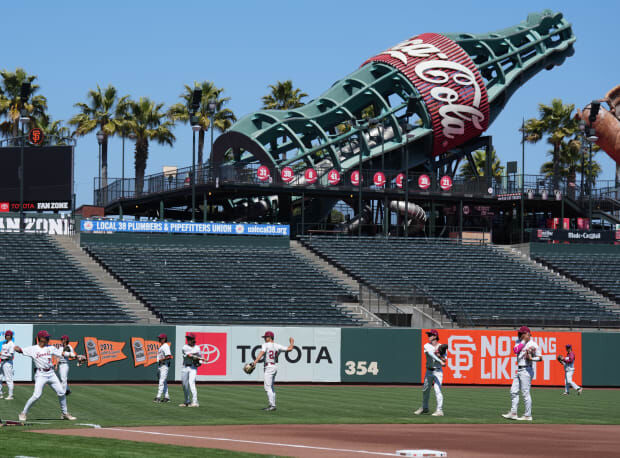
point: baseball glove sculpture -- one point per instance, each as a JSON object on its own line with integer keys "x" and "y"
{"x": 442, "y": 350}
{"x": 249, "y": 368}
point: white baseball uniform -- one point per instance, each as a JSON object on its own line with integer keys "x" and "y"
{"x": 188, "y": 374}
{"x": 45, "y": 374}
{"x": 524, "y": 374}
{"x": 7, "y": 354}
{"x": 163, "y": 364}
{"x": 433, "y": 376}
{"x": 63, "y": 366}
{"x": 271, "y": 350}
{"x": 569, "y": 370}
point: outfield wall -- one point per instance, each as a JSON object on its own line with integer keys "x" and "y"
{"x": 321, "y": 354}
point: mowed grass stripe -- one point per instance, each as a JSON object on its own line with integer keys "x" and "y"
{"x": 131, "y": 405}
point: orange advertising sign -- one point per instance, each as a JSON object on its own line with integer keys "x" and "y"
{"x": 152, "y": 347}
{"x": 92, "y": 350}
{"x": 58, "y": 344}
{"x": 486, "y": 356}
{"x": 144, "y": 351}
{"x": 110, "y": 351}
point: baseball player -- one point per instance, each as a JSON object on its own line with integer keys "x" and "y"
{"x": 270, "y": 351}
{"x": 7, "y": 354}
{"x": 63, "y": 363}
{"x": 568, "y": 362}
{"x": 434, "y": 374}
{"x": 527, "y": 352}
{"x": 164, "y": 356}
{"x": 42, "y": 354}
{"x": 191, "y": 361}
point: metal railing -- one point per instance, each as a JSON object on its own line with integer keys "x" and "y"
{"x": 246, "y": 174}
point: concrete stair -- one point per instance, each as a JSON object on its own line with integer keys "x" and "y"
{"x": 71, "y": 246}
{"x": 370, "y": 303}
{"x": 356, "y": 309}
{"x": 563, "y": 280}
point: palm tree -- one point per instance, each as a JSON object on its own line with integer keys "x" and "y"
{"x": 222, "y": 119}
{"x": 147, "y": 122}
{"x": 11, "y": 103}
{"x": 54, "y": 129}
{"x": 99, "y": 112}
{"x": 480, "y": 161}
{"x": 555, "y": 122}
{"x": 283, "y": 96}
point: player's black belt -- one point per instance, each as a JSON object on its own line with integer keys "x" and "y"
{"x": 189, "y": 365}
{"x": 44, "y": 370}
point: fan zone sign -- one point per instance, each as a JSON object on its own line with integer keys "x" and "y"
{"x": 486, "y": 357}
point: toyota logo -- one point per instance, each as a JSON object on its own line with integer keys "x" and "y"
{"x": 210, "y": 353}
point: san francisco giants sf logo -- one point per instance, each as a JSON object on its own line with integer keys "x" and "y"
{"x": 35, "y": 136}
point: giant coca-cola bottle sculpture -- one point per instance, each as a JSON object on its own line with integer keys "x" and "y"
{"x": 454, "y": 85}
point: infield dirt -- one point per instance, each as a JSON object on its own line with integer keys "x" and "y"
{"x": 379, "y": 440}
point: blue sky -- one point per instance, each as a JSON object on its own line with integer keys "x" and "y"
{"x": 153, "y": 48}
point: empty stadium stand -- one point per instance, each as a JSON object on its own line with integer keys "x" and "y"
{"x": 211, "y": 279}
{"x": 39, "y": 283}
{"x": 595, "y": 266}
{"x": 472, "y": 284}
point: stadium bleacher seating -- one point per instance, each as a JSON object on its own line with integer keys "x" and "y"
{"x": 597, "y": 268}
{"x": 473, "y": 284}
{"x": 224, "y": 284}
{"x": 40, "y": 283}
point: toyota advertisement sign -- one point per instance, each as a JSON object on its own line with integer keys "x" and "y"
{"x": 315, "y": 356}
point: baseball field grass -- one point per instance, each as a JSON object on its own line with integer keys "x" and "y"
{"x": 131, "y": 405}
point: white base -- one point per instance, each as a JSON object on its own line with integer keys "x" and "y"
{"x": 420, "y": 453}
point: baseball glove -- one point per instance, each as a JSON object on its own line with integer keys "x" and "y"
{"x": 560, "y": 358}
{"x": 249, "y": 368}
{"x": 442, "y": 350}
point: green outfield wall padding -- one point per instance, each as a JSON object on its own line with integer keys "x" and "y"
{"x": 601, "y": 363}
{"x": 110, "y": 339}
{"x": 380, "y": 355}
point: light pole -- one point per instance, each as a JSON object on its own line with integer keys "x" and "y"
{"x": 195, "y": 122}
{"x": 211, "y": 108}
{"x": 592, "y": 137}
{"x": 23, "y": 121}
{"x": 100, "y": 138}
{"x": 523, "y": 181}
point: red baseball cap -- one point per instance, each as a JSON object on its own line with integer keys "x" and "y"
{"x": 268, "y": 334}
{"x": 64, "y": 337}
{"x": 164, "y": 336}
{"x": 42, "y": 334}
{"x": 8, "y": 333}
{"x": 433, "y": 332}
{"x": 524, "y": 329}
{"x": 190, "y": 335}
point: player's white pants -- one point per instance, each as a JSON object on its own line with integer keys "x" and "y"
{"x": 188, "y": 378}
{"x": 522, "y": 382}
{"x": 162, "y": 390}
{"x": 433, "y": 377}
{"x": 270, "y": 378}
{"x": 568, "y": 379}
{"x": 63, "y": 374}
{"x": 7, "y": 372}
{"x": 40, "y": 380}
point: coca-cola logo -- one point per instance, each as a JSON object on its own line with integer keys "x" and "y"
{"x": 449, "y": 82}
